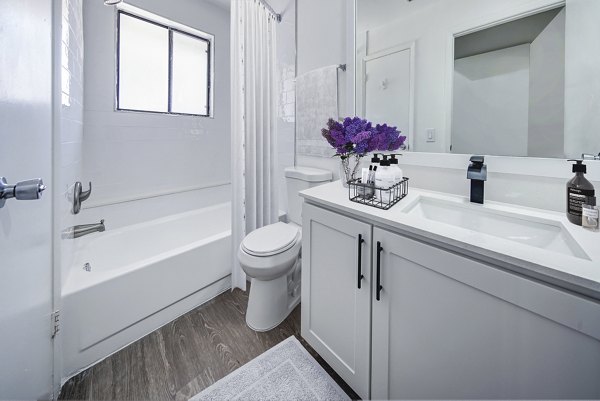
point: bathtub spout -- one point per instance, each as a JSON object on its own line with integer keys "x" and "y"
{"x": 85, "y": 229}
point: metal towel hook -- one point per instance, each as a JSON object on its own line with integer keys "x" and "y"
{"x": 79, "y": 196}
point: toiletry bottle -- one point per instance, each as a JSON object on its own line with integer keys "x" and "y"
{"x": 398, "y": 174}
{"x": 372, "y": 175}
{"x": 365, "y": 191}
{"x": 366, "y": 172}
{"x": 384, "y": 180}
{"x": 578, "y": 189}
{"x": 590, "y": 214}
{"x": 375, "y": 160}
{"x": 368, "y": 190}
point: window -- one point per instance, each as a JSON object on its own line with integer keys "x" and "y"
{"x": 162, "y": 68}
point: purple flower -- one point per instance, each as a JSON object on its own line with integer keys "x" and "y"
{"x": 361, "y": 137}
{"x": 358, "y": 136}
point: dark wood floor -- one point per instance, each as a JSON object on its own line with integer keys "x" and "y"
{"x": 185, "y": 356}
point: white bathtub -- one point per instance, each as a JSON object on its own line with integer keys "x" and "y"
{"x": 142, "y": 276}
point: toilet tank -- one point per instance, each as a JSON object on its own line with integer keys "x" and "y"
{"x": 298, "y": 179}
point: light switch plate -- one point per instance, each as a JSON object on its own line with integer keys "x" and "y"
{"x": 430, "y": 135}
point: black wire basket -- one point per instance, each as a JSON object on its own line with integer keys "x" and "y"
{"x": 371, "y": 195}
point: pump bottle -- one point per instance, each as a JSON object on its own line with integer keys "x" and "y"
{"x": 384, "y": 180}
{"x": 398, "y": 174}
{"x": 578, "y": 191}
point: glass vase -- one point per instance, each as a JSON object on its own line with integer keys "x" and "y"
{"x": 349, "y": 169}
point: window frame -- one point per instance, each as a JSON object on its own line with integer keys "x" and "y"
{"x": 209, "y": 39}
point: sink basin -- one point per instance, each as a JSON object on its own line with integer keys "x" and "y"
{"x": 537, "y": 232}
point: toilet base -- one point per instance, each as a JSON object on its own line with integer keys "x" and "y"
{"x": 269, "y": 303}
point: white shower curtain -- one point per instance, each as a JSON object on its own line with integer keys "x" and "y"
{"x": 253, "y": 123}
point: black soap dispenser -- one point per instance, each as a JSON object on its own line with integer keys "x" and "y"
{"x": 578, "y": 190}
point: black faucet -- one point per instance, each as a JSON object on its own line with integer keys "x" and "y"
{"x": 477, "y": 173}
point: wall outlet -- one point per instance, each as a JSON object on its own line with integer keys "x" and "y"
{"x": 430, "y": 134}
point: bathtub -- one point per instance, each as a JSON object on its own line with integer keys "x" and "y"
{"x": 130, "y": 281}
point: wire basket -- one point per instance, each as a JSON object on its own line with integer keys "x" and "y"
{"x": 371, "y": 195}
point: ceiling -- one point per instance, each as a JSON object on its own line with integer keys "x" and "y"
{"x": 224, "y": 4}
{"x": 278, "y": 5}
{"x": 514, "y": 33}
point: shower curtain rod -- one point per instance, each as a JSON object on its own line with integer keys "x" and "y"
{"x": 268, "y": 7}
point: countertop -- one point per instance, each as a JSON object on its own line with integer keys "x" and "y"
{"x": 577, "y": 274}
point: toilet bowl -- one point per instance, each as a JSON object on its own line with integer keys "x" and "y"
{"x": 270, "y": 256}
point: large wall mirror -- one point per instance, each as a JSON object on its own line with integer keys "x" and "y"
{"x": 493, "y": 77}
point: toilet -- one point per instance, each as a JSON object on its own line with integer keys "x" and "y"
{"x": 270, "y": 256}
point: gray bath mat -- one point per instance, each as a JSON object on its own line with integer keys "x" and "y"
{"x": 285, "y": 372}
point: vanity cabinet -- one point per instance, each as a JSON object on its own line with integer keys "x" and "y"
{"x": 336, "y": 304}
{"x": 447, "y": 326}
{"x": 436, "y": 324}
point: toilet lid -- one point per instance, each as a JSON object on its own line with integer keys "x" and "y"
{"x": 271, "y": 240}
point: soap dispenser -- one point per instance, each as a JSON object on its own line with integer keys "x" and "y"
{"x": 578, "y": 191}
{"x": 375, "y": 160}
{"x": 384, "y": 180}
{"x": 399, "y": 175}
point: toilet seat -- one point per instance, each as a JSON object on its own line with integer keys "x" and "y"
{"x": 271, "y": 251}
{"x": 271, "y": 240}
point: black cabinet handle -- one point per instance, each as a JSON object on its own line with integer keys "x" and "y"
{"x": 379, "y": 287}
{"x": 360, "y": 275}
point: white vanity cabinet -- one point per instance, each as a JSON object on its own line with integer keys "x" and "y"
{"x": 336, "y": 305}
{"x": 449, "y": 327}
{"x": 442, "y": 325}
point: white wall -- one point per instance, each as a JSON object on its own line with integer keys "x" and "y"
{"x": 322, "y": 40}
{"x": 490, "y": 110}
{"x": 70, "y": 134}
{"x": 132, "y": 156}
{"x": 547, "y": 91}
{"x": 525, "y": 181}
{"x": 68, "y": 142}
{"x": 286, "y": 84}
{"x": 325, "y": 37}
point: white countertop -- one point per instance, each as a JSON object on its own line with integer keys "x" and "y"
{"x": 581, "y": 275}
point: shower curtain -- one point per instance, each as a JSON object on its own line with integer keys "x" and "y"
{"x": 253, "y": 123}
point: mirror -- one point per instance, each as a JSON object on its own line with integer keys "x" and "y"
{"x": 494, "y": 77}
{"x": 509, "y": 88}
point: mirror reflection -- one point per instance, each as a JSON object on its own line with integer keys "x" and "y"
{"x": 509, "y": 88}
{"x": 500, "y": 77}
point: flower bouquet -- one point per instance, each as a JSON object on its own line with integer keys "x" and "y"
{"x": 355, "y": 137}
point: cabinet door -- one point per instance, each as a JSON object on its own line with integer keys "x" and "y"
{"x": 449, "y": 327}
{"x": 335, "y": 302}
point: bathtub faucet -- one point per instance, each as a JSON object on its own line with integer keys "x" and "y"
{"x": 85, "y": 229}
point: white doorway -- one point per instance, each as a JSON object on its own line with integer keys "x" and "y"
{"x": 387, "y": 90}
